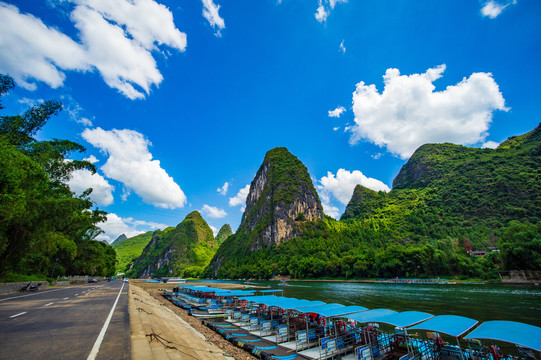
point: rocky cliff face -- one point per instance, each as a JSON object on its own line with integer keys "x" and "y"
{"x": 181, "y": 251}
{"x": 280, "y": 194}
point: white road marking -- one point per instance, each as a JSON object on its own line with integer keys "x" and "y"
{"x": 97, "y": 344}
{"x": 19, "y": 314}
{"x": 66, "y": 298}
{"x": 48, "y": 304}
{"x": 76, "y": 294}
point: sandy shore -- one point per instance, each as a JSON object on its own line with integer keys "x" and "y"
{"x": 161, "y": 330}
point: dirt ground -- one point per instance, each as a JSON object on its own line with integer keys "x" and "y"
{"x": 161, "y": 330}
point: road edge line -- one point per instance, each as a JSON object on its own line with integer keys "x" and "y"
{"x": 97, "y": 344}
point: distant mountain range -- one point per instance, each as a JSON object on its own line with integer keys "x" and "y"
{"x": 446, "y": 201}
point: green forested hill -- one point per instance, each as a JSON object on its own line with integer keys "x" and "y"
{"x": 281, "y": 197}
{"x": 181, "y": 251}
{"x": 446, "y": 200}
{"x": 451, "y": 190}
{"x": 130, "y": 249}
{"x": 224, "y": 232}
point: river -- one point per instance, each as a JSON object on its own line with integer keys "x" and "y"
{"x": 482, "y": 302}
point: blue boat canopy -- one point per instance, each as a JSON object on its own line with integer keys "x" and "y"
{"x": 317, "y": 309}
{"x": 404, "y": 319}
{"x": 234, "y": 293}
{"x": 370, "y": 315}
{"x": 509, "y": 331}
{"x": 281, "y": 301}
{"x": 270, "y": 291}
{"x": 261, "y": 299}
{"x": 448, "y": 324}
{"x": 342, "y": 311}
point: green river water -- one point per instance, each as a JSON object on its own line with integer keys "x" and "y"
{"x": 482, "y": 302}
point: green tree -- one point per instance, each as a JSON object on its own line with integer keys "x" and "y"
{"x": 520, "y": 245}
{"x": 41, "y": 220}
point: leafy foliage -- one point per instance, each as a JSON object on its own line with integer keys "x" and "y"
{"x": 42, "y": 224}
{"x": 520, "y": 243}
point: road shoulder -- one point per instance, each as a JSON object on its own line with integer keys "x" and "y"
{"x": 158, "y": 332}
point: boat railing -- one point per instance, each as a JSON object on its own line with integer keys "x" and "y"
{"x": 306, "y": 339}
{"x": 282, "y": 334}
{"x": 268, "y": 327}
{"x": 255, "y": 323}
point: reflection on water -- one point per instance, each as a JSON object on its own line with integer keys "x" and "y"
{"x": 477, "y": 301}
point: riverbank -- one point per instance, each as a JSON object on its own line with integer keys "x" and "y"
{"x": 161, "y": 330}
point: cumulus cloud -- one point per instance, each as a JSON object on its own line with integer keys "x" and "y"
{"x": 241, "y": 196}
{"x": 116, "y": 38}
{"x": 214, "y": 230}
{"x": 102, "y": 191}
{"x": 324, "y": 9}
{"x": 32, "y": 50}
{"x": 210, "y": 12}
{"x": 213, "y": 212}
{"x": 337, "y": 112}
{"x": 493, "y": 9}
{"x": 409, "y": 113}
{"x": 341, "y": 185}
{"x": 115, "y": 226}
{"x": 490, "y": 145}
{"x": 223, "y": 190}
{"x": 130, "y": 162}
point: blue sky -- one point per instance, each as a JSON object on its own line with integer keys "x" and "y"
{"x": 175, "y": 99}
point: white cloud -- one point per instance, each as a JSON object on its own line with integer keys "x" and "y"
{"x": 342, "y": 185}
{"x": 32, "y": 50}
{"x": 117, "y": 38}
{"x": 223, "y": 190}
{"x": 330, "y": 210}
{"x": 493, "y": 9}
{"x": 102, "y": 191}
{"x": 321, "y": 14}
{"x": 210, "y": 12}
{"x": 490, "y": 145}
{"x": 324, "y": 9}
{"x": 116, "y": 226}
{"x": 213, "y": 212}
{"x": 408, "y": 113}
{"x": 131, "y": 163}
{"x": 342, "y": 47}
{"x": 30, "y": 102}
{"x": 336, "y": 128}
{"x": 74, "y": 111}
{"x": 241, "y": 196}
{"x": 337, "y": 112}
{"x": 214, "y": 230}
{"x": 91, "y": 159}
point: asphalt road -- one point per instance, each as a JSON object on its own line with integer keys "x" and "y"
{"x": 65, "y": 323}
